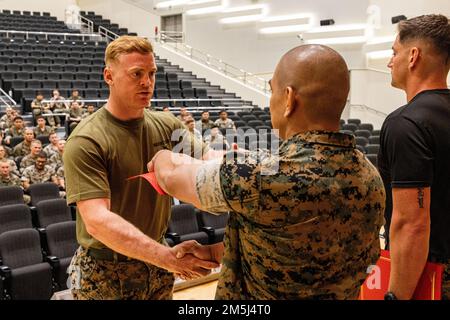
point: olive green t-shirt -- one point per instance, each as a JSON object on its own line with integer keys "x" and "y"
{"x": 103, "y": 151}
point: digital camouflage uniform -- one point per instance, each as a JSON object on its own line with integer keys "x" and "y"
{"x": 39, "y": 108}
{"x": 227, "y": 124}
{"x": 60, "y": 175}
{"x": 14, "y": 180}
{"x": 39, "y": 132}
{"x": 9, "y": 151}
{"x": 13, "y": 132}
{"x": 75, "y": 114}
{"x": 59, "y": 107}
{"x": 34, "y": 175}
{"x": 203, "y": 126}
{"x": 11, "y": 180}
{"x": 60, "y": 172}
{"x": 12, "y": 166}
{"x": 6, "y": 122}
{"x": 50, "y": 151}
{"x": 28, "y": 160}
{"x": 217, "y": 140}
{"x": 446, "y": 281}
{"x": 22, "y": 149}
{"x": 86, "y": 114}
{"x": 56, "y": 160}
{"x": 77, "y": 99}
{"x": 304, "y": 224}
{"x": 95, "y": 279}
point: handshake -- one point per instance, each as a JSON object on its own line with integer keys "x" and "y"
{"x": 193, "y": 260}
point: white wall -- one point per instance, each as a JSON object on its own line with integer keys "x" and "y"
{"x": 56, "y": 8}
{"x": 373, "y": 89}
{"x": 125, "y": 14}
{"x": 216, "y": 78}
{"x": 243, "y": 47}
{"x": 409, "y": 8}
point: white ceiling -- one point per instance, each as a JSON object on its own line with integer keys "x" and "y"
{"x": 354, "y": 9}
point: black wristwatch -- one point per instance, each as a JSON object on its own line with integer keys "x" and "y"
{"x": 390, "y": 296}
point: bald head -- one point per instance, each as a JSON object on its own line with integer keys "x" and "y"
{"x": 319, "y": 78}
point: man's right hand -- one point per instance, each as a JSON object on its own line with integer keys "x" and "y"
{"x": 204, "y": 252}
{"x": 188, "y": 266}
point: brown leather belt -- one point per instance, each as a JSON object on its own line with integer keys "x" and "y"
{"x": 107, "y": 254}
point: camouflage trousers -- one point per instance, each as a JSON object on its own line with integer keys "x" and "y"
{"x": 95, "y": 279}
{"x": 446, "y": 282}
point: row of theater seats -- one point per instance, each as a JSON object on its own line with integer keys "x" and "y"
{"x": 163, "y": 77}
{"x": 189, "y": 223}
{"x": 26, "y": 21}
{"x": 257, "y": 119}
{"x": 61, "y": 59}
{"x": 52, "y": 65}
{"x": 367, "y": 139}
{"x": 37, "y": 243}
{"x": 14, "y": 13}
{"x": 105, "y": 23}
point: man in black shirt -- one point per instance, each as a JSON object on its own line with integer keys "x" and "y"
{"x": 414, "y": 158}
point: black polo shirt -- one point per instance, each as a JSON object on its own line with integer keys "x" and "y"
{"x": 415, "y": 152}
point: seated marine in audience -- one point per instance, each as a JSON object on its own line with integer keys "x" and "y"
{"x": 6, "y": 121}
{"x": 215, "y": 137}
{"x": 30, "y": 159}
{"x": 183, "y": 114}
{"x": 204, "y": 123}
{"x": 12, "y": 163}
{"x": 39, "y": 108}
{"x": 41, "y": 129}
{"x": 75, "y": 115}
{"x": 40, "y": 172}
{"x": 9, "y": 178}
{"x": 90, "y": 109}
{"x": 60, "y": 177}
{"x": 76, "y": 97}
{"x": 16, "y": 130}
{"x": 224, "y": 122}
{"x": 52, "y": 147}
{"x": 57, "y": 105}
{"x": 56, "y": 160}
{"x": 8, "y": 150}
{"x": 190, "y": 124}
{"x": 24, "y": 148}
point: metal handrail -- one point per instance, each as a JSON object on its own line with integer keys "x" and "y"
{"x": 108, "y": 34}
{"x": 175, "y": 35}
{"x": 368, "y": 109}
{"x": 4, "y": 94}
{"x": 27, "y": 33}
{"x": 153, "y": 100}
{"x": 243, "y": 76}
{"x": 89, "y": 24}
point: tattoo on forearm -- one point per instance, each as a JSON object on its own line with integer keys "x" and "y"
{"x": 420, "y": 197}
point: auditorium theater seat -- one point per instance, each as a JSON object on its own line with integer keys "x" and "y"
{"x": 24, "y": 273}
{"x": 11, "y": 195}
{"x": 61, "y": 245}
{"x": 52, "y": 211}
{"x": 14, "y": 217}
{"x": 43, "y": 191}
{"x": 214, "y": 225}
{"x": 183, "y": 225}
